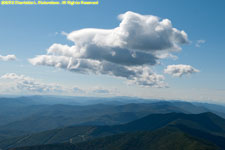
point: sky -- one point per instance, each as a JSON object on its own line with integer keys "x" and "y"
{"x": 151, "y": 49}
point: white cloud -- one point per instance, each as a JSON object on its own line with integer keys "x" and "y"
{"x": 7, "y": 57}
{"x": 98, "y": 90}
{"x": 180, "y": 70}
{"x": 101, "y": 91}
{"x": 25, "y": 83}
{"x": 199, "y": 43}
{"x": 78, "y": 90}
{"x": 166, "y": 55}
{"x": 15, "y": 83}
{"x": 127, "y": 51}
{"x": 64, "y": 33}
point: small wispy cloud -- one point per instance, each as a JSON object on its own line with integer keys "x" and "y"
{"x": 78, "y": 90}
{"x": 180, "y": 70}
{"x": 7, "y": 57}
{"x": 64, "y": 33}
{"x": 17, "y": 83}
{"x": 199, "y": 43}
{"x": 101, "y": 91}
{"x": 25, "y": 83}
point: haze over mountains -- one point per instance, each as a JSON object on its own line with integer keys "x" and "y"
{"x": 38, "y": 120}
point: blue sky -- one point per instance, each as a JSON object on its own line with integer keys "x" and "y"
{"x": 27, "y": 31}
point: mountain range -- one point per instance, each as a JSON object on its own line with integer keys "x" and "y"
{"x": 84, "y": 122}
{"x": 156, "y": 131}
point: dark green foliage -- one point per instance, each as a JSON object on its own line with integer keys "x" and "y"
{"x": 163, "y": 139}
{"x": 49, "y": 147}
{"x": 208, "y": 126}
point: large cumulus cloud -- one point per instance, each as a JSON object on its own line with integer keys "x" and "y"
{"x": 127, "y": 51}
